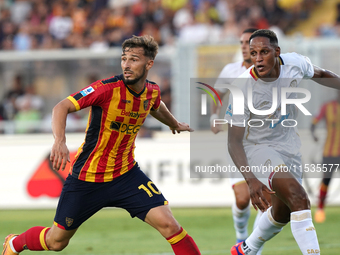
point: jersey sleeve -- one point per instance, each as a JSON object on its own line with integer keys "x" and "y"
{"x": 307, "y": 68}
{"x": 223, "y": 78}
{"x": 320, "y": 116}
{"x": 93, "y": 94}
{"x": 303, "y": 63}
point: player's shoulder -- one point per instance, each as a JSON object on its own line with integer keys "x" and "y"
{"x": 114, "y": 80}
{"x": 245, "y": 79}
{"x": 292, "y": 59}
{"x": 152, "y": 85}
{"x": 230, "y": 68}
{"x": 234, "y": 65}
{"x": 103, "y": 85}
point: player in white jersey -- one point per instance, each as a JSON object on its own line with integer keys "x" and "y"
{"x": 241, "y": 207}
{"x": 271, "y": 146}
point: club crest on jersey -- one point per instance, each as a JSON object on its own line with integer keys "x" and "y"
{"x": 146, "y": 104}
{"x": 69, "y": 221}
{"x": 87, "y": 91}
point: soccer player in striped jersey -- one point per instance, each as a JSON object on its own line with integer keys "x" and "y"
{"x": 104, "y": 172}
{"x": 269, "y": 154}
{"x": 241, "y": 207}
{"x": 330, "y": 112}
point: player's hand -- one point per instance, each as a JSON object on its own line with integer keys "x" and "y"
{"x": 59, "y": 156}
{"x": 256, "y": 189}
{"x": 182, "y": 126}
{"x": 216, "y": 129}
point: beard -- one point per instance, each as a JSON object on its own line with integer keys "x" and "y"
{"x": 135, "y": 80}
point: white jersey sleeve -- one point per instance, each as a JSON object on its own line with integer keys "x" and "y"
{"x": 228, "y": 74}
{"x": 300, "y": 61}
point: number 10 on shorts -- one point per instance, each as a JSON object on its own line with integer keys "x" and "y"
{"x": 150, "y": 183}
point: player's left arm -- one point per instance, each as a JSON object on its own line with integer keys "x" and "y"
{"x": 163, "y": 115}
{"x": 329, "y": 79}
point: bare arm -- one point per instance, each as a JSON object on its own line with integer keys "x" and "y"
{"x": 330, "y": 79}
{"x": 237, "y": 153}
{"x": 163, "y": 115}
{"x": 312, "y": 129}
{"x": 215, "y": 111}
{"x": 59, "y": 152}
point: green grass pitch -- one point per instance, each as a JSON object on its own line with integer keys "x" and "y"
{"x": 113, "y": 232}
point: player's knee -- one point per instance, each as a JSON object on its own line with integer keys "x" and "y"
{"x": 299, "y": 200}
{"x": 242, "y": 202}
{"x": 169, "y": 227}
{"x": 58, "y": 246}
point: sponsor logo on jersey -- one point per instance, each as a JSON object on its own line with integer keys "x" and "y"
{"x": 124, "y": 101}
{"x": 132, "y": 114}
{"x": 128, "y": 129}
{"x": 229, "y": 111}
{"x": 87, "y": 91}
{"x": 115, "y": 125}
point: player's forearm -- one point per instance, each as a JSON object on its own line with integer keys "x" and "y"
{"x": 326, "y": 78}
{"x": 59, "y": 116}
{"x": 164, "y": 115}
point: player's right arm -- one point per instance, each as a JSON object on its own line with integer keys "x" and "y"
{"x": 237, "y": 153}
{"x": 59, "y": 152}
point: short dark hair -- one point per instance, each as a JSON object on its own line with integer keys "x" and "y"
{"x": 147, "y": 42}
{"x": 249, "y": 30}
{"x": 266, "y": 33}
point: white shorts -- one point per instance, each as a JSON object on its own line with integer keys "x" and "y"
{"x": 264, "y": 160}
{"x": 235, "y": 176}
{"x": 236, "y": 180}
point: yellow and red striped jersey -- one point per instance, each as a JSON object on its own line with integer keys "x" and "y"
{"x": 116, "y": 115}
{"x": 331, "y": 113}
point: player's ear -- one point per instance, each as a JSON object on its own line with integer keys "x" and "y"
{"x": 277, "y": 51}
{"x": 149, "y": 64}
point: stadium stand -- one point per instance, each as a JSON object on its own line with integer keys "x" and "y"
{"x": 99, "y": 24}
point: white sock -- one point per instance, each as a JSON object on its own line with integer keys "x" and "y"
{"x": 304, "y": 232}
{"x": 11, "y": 244}
{"x": 241, "y": 218}
{"x": 266, "y": 229}
{"x": 256, "y": 222}
{"x": 257, "y": 218}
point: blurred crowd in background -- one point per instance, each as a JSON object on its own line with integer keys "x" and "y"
{"x": 100, "y": 24}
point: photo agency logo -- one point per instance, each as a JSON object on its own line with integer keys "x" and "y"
{"x": 276, "y": 114}
{"x": 204, "y": 97}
